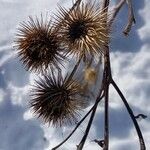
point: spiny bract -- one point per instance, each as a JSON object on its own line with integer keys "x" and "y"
{"x": 83, "y": 30}
{"x": 57, "y": 100}
{"x": 38, "y": 45}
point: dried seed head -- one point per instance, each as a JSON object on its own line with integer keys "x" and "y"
{"x": 38, "y": 45}
{"x": 57, "y": 100}
{"x": 84, "y": 30}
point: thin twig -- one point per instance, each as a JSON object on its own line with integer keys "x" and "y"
{"x": 74, "y": 69}
{"x": 141, "y": 140}
{"x": 78, "y": 124}
{"x": 77, "y": 3}
{"x": 131, "y": 18}
{"x": 105, "y": 5}
{"x": 115, "y": 12}
{"x": 82, "y": 142}
{"x": 80, "y": 146}
{"x": 99, "y": 97}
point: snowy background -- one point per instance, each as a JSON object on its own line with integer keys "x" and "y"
{"x": 130, "y": 56}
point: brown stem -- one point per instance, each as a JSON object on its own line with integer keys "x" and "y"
{"x": 141, "y": 140}
{"x": 105, "y": 83}
{"x": 131, "y": 18}
{"x": 82, "y": 142}
{"x": 106, "y": 121}
{"x": 80, "y": 146}
{"x": 107, "y": 72}
{"x": 105, "y": 8}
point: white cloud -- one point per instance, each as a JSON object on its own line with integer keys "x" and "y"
{"x": 144, "y": 31}
{"x": 19, "y": 95}
{"x": 28, "y": 115}
{"x": 145, "y": 124}
{"x": 131, "y": 143}
{"x": 131, "y": 72}
{"x": 6, "y": 58}
{"x": 5, "y": 47}
{"x": 17, "y": 133}
{"x": 2, "y": 95}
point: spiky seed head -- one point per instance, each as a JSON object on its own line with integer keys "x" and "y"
{"x": 38, "y": 45}
{"x": 57, "y": 100}
{"x": 84, "y": 30}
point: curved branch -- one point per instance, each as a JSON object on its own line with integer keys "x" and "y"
{"x": 80, "y": 146}
{"x": 131, "y": 18}
{"x": 141, "y": 140}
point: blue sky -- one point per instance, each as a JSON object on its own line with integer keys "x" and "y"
{"x": 130, "y": 57}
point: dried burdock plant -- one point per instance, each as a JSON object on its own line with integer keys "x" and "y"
{"x": 57, "y": 100}
{"x": 84, "y": 30}
{"x": 38, "y": 45}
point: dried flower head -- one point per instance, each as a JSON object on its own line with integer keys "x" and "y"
{"x": 84, "y": 30}
{"x": 57, "y": 100}
{"x": 38, "y": 45}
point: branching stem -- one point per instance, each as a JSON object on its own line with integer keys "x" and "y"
{"x": 78, "y": 124}
{"x": 141, "y": 140}
{"x": 107, "y": 80}
{"x": 82, "y": 142}
{"x": 131, "y": 18}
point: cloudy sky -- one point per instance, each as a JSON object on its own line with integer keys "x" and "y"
{"x": 130, "y": 57}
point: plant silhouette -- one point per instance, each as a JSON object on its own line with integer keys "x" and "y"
{"x": 82, "y": 32}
